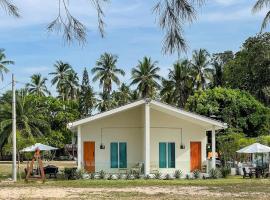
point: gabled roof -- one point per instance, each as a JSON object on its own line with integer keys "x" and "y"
{"x": 165, "y": 108}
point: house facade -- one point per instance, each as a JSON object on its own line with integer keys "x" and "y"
{"x": 147, "y": 132}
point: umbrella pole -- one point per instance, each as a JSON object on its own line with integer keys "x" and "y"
{"x": 262, "y": 159}
{"x": 269, "y": 162}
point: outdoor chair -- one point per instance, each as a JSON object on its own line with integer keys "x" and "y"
{"x": 247, "y": 174}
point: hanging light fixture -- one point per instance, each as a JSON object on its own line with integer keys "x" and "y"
{"x": 102, "y": 146}
{"x": 182, "y": 146}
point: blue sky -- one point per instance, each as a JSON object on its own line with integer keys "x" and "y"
{"x": 131, "y": 33}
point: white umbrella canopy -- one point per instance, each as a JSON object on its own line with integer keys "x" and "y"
{"x": 255, "y": 148}
{"x": 41, "y": 147}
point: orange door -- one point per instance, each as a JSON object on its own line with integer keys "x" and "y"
{"x": 195, "y": 156}
{"x": 89, "y": 156}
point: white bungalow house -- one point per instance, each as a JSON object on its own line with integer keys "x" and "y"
{"x": 159, "y": 136}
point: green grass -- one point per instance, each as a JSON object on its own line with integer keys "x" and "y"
{"x": 231, "y": 182}
{"x": 235, "y": 185}
{"x": 238, "y": 187}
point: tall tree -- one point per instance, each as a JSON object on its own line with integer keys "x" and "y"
{"x": 62, "y": 70}
{"x": 177, "y": 89}
{"x": 123, "y": 95}
{"x": 145, "y": 76}
{"x": 237, "y": 108}
{"x": 71, "y": 85}
{"x": 107, "y": 72}
{"x": 30, "y": 120}
{"x": 4, "y": 63}
{"x": 87, "y": 98}
{"x": 38, "y": 85}
{"x": 200, "y": 63}
{"x": 218, "y": 62}
{"x": 167, "y": 92}
{"x": 260, "y": 5}
{"x": 249, "y": 70}
{"x": 105, "y": 102}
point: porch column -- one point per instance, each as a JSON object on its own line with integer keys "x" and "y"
{"x": 147, "y": 139}
{"x": 213, "y": 147}
{"x": 79, "y": 148}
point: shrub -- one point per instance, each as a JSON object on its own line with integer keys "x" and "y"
{"x": 178, "y": 174}
{"x": 196, "y": 174}
{"x": 157, "y": 175}
{"x": 136, "y": 175}
{"x": 214, "y": 173}
{"x": 92, "y": 175}
{"x": 129, "y": 176}
{"x": 187, "y": 176}
{"x": 102, "y": 174}
{"x": 225, "y": 171}
{"x": 70, "y": 173}
{"x": 79, "y": 174}
{"x": 147, "y": 177}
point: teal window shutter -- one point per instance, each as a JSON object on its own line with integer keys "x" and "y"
{"x": 114, "y": 155}
{"x": 162, "y": 155}
{"x": 122, "y": 155}
{"x": 171, "y": 155}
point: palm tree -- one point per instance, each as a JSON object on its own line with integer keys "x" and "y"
{"x": 38, "y": 85}
{"x": 62, "y": 71}
{"x": 145, "y": 76}
{"x": 218, "y": 62}
{"x": 105, "y": 102}
{"x": 135, "y": 95}
{"x": 167, "y": 91}
{"x": 123, "y": 95}
{"x": 260, "y": 5}
{"x": 107, "y": 72}
{"x": 71, "y": 85}
{"x": 4, "y": 63}
{"x": 177, "y": 89}
{"x": 30, "y": 120}
{"x": 200, "y": 64}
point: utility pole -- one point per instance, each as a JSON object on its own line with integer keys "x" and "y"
{"x": 14, "y": 152}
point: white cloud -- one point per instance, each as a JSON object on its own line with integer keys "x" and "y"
{"x": 238, "y": 14}
{"x": 228, "y": 2}
{"x": 37, "y": 69}
{"x": 117, "y": 13}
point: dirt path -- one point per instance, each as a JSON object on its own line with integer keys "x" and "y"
{"x": 116, "y": 193}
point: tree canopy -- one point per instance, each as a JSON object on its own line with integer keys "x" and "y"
{"x": 249, "y": 70}
{"x": 237, "y": 108}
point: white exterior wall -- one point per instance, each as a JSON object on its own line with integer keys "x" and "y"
{"x": 166, "y": 128}
{"x": 128, "y": 126}
{"x": 122, "y": 127}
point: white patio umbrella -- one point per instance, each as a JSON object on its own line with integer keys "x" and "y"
{"x": 41, "y": 147}
{"x": 255, "y": 148}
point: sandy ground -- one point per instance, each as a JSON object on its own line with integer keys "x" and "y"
{"x": 125, "y": 193}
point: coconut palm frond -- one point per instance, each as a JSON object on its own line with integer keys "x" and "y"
{"x": 260, "y": 5}
{"x": 10, "y": 8}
